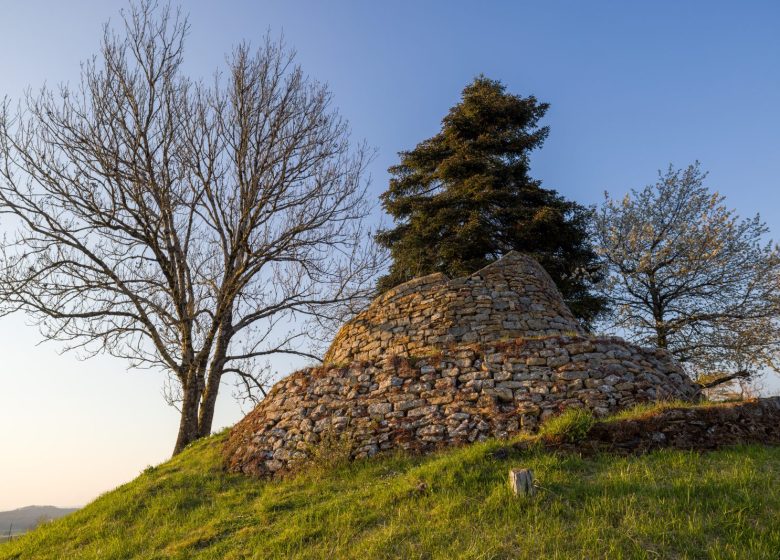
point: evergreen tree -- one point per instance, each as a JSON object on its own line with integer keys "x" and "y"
{"x": 464, "y": 197}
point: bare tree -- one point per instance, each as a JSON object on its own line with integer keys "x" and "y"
{"x": 686, "y": 274}
{"x": 188, "y": 227}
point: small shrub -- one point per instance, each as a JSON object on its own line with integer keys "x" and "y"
{"x": 570, "y": 426}
{"x": 332, "y": 451}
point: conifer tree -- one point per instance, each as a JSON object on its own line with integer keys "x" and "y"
{"x": 463, "y": 198}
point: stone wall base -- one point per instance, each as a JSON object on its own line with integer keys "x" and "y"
{"x": 461, "y": 394}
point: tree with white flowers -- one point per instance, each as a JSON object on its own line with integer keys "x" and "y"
{"x": 685, "y": 273}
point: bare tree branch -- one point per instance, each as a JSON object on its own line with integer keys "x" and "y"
{"x": 186, "y": 227}
{"x": 722, "y": 379}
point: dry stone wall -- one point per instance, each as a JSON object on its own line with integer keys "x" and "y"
{"x": 513, "y": 297}
{"x": 697, "y": 428}
{"x": 439, "y": 362}
{"x": 462, "y": 394}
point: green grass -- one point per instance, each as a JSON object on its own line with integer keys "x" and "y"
{"x": 645, "y": 410}
{"x": 571, "y": 426}
{"x": 667, "y": 504}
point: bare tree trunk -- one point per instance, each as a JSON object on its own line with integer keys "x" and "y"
{"x": 188, "y": 424}
{"x": 662, "y": 340}
{"x": 207, "y": 404}
{"x": 218, "y": 360}
{"x": 658, "y": 313}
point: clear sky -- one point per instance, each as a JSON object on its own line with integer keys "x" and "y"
{"x": 633, "y": 87}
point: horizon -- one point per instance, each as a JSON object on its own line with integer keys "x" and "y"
{"x": 632, "y": 89}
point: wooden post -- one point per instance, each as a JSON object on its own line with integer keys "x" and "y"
{"x": 522, "y": 482}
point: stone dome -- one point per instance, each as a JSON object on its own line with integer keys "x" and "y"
{"x": 513, "y": 297}
{"x": 437, "y": 362}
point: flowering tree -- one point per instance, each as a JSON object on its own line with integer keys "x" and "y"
{"x": 685, "y": 273}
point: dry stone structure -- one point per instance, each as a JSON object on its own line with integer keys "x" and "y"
{"x": 438, "y": 362}
{"x": 511, "y": 298}
{"x": 700, "y": 428}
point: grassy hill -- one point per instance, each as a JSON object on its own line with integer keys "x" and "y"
{"x": 456, "y": 504}
{"x": 23, "y": 519}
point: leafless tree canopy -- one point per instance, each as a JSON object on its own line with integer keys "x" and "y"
{"x": 685, "y": 273}
{"x": 196, "y": 228}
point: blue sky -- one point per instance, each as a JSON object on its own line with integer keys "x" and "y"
{"x": 633, "y": 87}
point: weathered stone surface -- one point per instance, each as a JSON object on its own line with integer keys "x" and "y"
{"x": 402, "y": 374}
{"x": 420, "y": 417}
{"x": 511, "y": 298}
{"x": 521, "y": 481}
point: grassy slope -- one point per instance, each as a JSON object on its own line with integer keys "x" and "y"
{"x": 664, "y": 505}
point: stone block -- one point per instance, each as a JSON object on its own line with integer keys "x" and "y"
{"x": 521, "y": 482}
{"x": 379, "y": 410}
{"x": 422, "y": 411}
{"x": 570, "y": 375}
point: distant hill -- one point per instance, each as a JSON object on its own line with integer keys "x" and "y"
{"x": 26, "y": 518}
{"x": 452, "y": 504}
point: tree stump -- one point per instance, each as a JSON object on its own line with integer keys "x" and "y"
{"x": 522, "y": 482}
